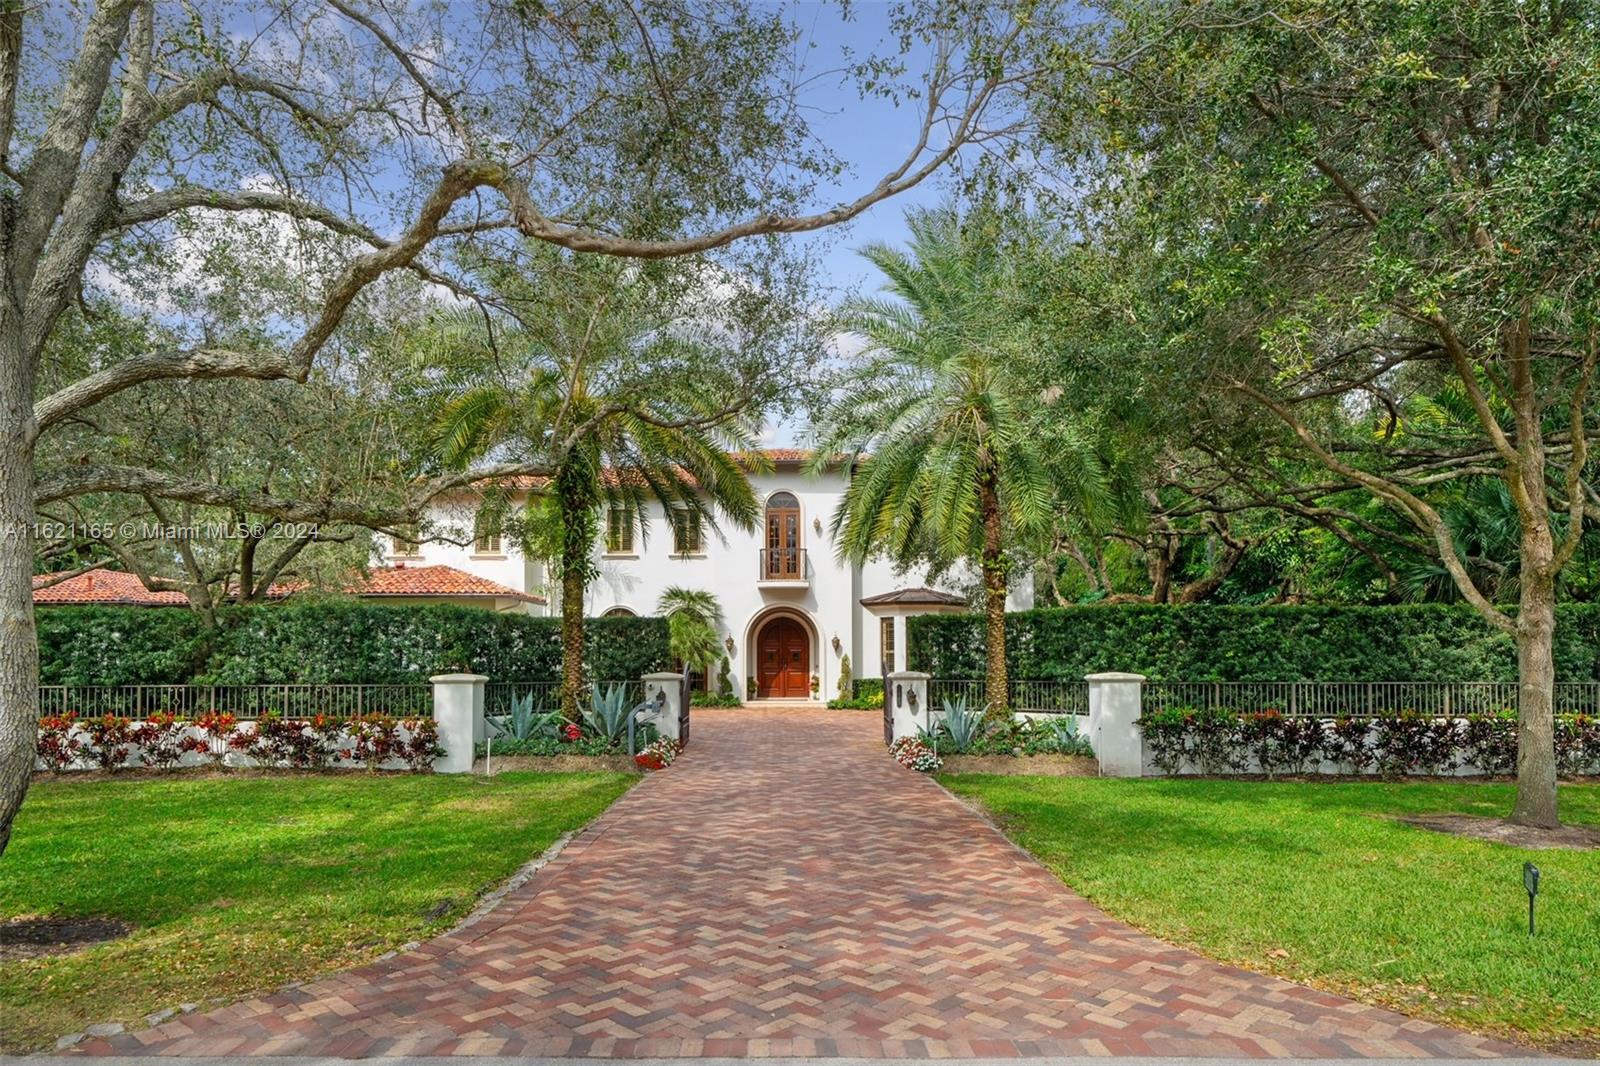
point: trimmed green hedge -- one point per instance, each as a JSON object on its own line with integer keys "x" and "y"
{"x": 1206, "y": 643}
{"x": 335, "y": 643}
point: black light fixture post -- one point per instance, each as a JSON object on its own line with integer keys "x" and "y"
{"x": 1530, "y": 881}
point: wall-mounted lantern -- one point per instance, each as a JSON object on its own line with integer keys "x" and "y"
{"x": 728, "y": 643}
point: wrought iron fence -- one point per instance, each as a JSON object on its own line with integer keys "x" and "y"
{"x": 244, "y": 702}
{"x": 497, "y": 695}
{"x": 1362, "y": 699}
{"x": 1029, "y": 697}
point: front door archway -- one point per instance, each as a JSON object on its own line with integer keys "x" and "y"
{"x": 783, "y": 659}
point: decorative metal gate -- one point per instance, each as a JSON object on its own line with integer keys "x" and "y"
{"x": 685, "y": 698}
{"x": 888, "y": 713}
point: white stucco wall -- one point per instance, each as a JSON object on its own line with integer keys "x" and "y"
{"x": 828, "y": 602}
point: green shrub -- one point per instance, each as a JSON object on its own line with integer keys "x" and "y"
{"x": 333, "y": 642}
{"x": 1432, "y": 642}
{"x": 867, "y": 688}
{"x": 120, "y": 645}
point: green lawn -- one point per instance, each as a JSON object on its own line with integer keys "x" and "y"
{"x": 240, "y": 885}
{"x": 1247, "y": 871}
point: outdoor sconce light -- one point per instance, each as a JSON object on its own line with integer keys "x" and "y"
{"x": 838, "y": 646}
{"x": 728, "y": 643}
{"x": 816, "y": 524}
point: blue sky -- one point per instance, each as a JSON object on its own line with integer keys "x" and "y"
{"x": 872, "y": 136}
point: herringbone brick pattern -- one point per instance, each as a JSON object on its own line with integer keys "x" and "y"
{"x": 787, "y": 890}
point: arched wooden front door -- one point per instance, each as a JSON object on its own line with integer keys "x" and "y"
{"x": 783, "y": 660}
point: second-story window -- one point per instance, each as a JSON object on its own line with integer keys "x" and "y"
{"x": 685, "y": 531}
{"x": 486, "y": 540}
{"x": 619, "y": 530}
{"x": 404, "y": 545}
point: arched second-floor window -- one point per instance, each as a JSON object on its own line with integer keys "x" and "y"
{"x": 785, "y": 556}
{"x": 619, "y": 612}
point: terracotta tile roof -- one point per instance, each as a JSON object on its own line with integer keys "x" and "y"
{"x": 436, "y": 581}
{"x": 107, "y": 587}
{"x": 917, "y": 596}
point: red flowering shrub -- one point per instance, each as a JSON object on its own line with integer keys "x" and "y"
{"x": 162, "y": 740}
{"x": 1489, "y": 742}
{"x": 1345, "y": 743}
{"x": 421, "y": 745}
{"x": 108, "y": 739}
{"x": 1262, "y": 733}
{"x": 572, "y": 731}
{"x": 302, "y": 743}
{"x": 1414, "y": 743}
{"x": 374, "y": 739}
{"x": 216, "y": 734}
{"x": 1578, "y": 743}
{"x": 59, "y": 745}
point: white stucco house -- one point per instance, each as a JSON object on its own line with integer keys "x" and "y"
{"x": 791, "y": 609}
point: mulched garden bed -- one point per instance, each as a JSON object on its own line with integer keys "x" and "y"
{"x": 1500, "y": 831}
{"x": 32, "y": 938}
{"x": 1034, "y": 765}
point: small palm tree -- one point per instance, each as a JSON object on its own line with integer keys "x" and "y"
{"x": 694, "y": 625}
{"x": 589, "y": 384}
{"x": 955, "y": 460}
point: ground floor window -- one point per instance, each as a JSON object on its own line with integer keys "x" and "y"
{"x": 886, "y": 644}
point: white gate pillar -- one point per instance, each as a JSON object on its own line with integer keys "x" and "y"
{"x": 666, "y": 720}
{"x": 458, "y": 712}
{"x": 1115, "y": 702}
{"x": 907, "y": 693}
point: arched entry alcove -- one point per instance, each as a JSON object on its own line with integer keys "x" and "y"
{"x": 783, "y": 654}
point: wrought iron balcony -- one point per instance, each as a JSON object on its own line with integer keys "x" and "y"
{"x": 786, "y": 566}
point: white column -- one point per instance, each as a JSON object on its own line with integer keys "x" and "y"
{"x": 1114, "y": 708}
{"x": 666, "y": 721}
{"x": 907, "y": 693}
{"x": 458, "y": 712}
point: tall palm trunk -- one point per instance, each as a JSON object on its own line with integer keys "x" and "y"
{"x": 574, "y": 488}
{"x": 993, "y": 565}
{"x": 571, "y": 641}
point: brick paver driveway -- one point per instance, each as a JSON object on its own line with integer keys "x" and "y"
{"x": 785, "y": 889}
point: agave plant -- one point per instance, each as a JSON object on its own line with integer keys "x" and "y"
{"x": 1061, "y": 731}
{"x": 607, "y": 714}
{"x": 962, "y": 725}
{"x": 526, "y": 720}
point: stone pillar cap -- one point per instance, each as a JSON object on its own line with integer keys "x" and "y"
{"x": 458, "y": 677}
{"x": 1114, "y": 676}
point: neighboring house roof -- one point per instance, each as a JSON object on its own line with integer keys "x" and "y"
{"x": 917, "y": 596}
{"x": 106, "y": 587}
{"x": 437, "y": 581}
{"x": 116, "y": 588}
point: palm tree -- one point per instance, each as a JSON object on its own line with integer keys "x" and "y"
{"x": 954, "y": 458}
{"x": 694, "y": 625}
{"x": 621, "y": 407}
